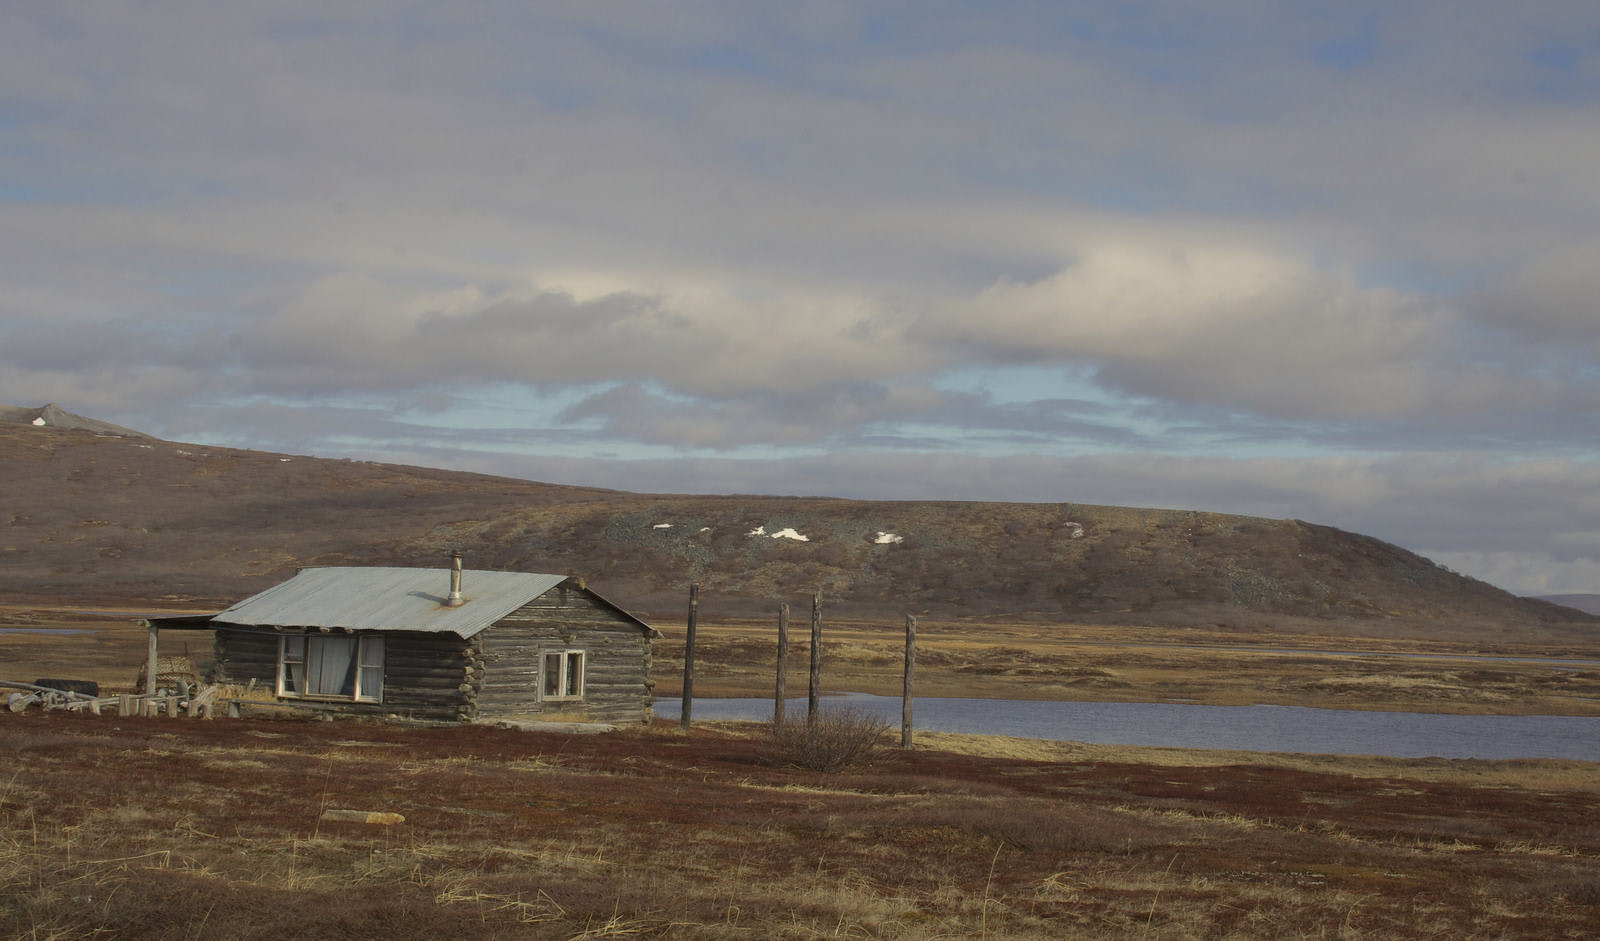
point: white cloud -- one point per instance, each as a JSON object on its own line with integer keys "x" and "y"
{"x": 1232, "y": 327}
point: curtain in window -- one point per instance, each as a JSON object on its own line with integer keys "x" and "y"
{"x": 336, "y": 666}
{"x": 331, "y": 666}
{"x": 294, "y": 664}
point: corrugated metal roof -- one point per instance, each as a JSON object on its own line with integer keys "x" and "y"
{"x": 390, "y": 599}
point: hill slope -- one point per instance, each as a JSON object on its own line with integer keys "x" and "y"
{"x": 137, "y": 520}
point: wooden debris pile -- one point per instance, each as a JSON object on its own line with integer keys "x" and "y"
{"x": 182, "y": 699}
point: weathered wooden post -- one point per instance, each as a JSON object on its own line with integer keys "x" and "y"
{"x": 782, "y": 691}
{"x": 688, "y": 656}
{"x": 151, "y": 661}
{"x": 911, "y": 676}
{"x": 816, "y": 658}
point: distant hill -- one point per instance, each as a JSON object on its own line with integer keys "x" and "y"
{"x": 91, "y": 515}
{"x": 1586, "y": 603}
{"x": 52, "y": 415}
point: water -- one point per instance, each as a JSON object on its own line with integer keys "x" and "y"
{"x": 1242, "y": 728}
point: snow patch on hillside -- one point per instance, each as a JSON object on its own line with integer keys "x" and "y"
{"x": 788, "y": 532}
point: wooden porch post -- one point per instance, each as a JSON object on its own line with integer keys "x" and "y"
{"x": 151, "y": 661}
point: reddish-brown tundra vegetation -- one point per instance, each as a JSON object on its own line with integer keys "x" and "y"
{"x": 156, "y": 829}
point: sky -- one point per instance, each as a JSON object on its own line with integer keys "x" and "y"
{"x": 1330, "y": 261}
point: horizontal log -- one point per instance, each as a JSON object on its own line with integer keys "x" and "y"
{"x": 453, "y": 663}
{"x": 441, "y": 703}
{"x": 450, "y": 676}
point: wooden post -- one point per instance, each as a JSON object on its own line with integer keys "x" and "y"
{"x": 151, "y": 663}
{"x": 911, "y": 676}
{"x": 688, "y": 656}
{"x": 778, "y": 696}
{"x": 201, "y": 703}
{"x": 816, "y": 658}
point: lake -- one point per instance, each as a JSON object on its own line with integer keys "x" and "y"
{"x": 1185, "y": 725}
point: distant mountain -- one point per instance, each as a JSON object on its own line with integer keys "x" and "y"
{"x": 92, "y": 516}
{"x": 1586, "y": 603}
{"x": 52, "y": 415}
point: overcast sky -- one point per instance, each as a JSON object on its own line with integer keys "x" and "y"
{"x": 1333, "y": 261}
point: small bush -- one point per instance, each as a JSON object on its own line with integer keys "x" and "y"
{"x": 838, "y": 739}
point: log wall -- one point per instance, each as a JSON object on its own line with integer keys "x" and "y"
{"x": 616, "y": 686}
{"x": 425, "y": 676}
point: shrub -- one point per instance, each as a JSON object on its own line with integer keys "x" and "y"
{"x": 838, "y": 739}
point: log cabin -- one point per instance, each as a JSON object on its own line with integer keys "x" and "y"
{"x": 436, "y": 645}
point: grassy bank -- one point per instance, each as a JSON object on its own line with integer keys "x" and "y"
{"x": 1069, "y": 662}
{"x": 1088, "y": 662}
{"x": 157, "y": 829}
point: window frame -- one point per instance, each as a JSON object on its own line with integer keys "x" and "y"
{"x": 367, "y": 665}
{"x": 569, "y": 688}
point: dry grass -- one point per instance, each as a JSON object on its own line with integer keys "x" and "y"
{"x": 168, "y": 829}
{"x": 1089, "y": 662}
{"x": 984, "y": 659}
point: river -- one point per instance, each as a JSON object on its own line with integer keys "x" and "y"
{"x": 1186, "y": 725}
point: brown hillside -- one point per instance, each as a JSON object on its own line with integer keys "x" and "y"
{"x": 135, "y": 520}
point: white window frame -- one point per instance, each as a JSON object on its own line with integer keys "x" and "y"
{"x": 366, "y": 665}
{"x": 566, "y": 681}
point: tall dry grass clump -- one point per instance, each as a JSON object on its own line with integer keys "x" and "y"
{"x": 834, "y": 740}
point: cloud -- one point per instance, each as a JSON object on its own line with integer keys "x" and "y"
{"x": 1552, "y": 299}
{"x": 1237, "y": 329}
{"x": 697, "y": 341}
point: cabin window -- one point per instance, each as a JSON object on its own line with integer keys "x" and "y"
{"x": 331, "y": 666}
{"x": 562, "y": 675}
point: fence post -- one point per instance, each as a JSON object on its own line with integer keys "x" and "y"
{"x": 688, "y": 656}
{"x": 911, "y": 676}
{"x": 816, "y": 658}
{"x": 782, "y": 691}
